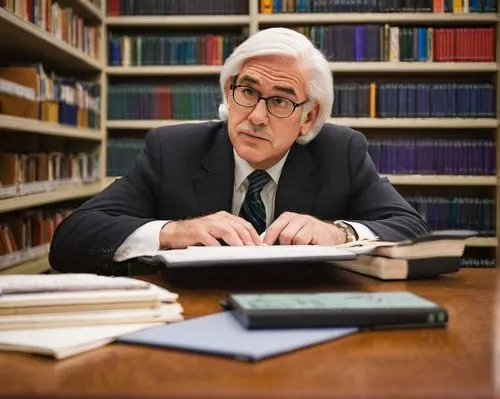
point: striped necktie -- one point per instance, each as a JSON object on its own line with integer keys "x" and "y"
{"x": 253, "y": 209}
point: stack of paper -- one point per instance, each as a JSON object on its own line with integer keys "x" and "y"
{"x": 61, "y": 315}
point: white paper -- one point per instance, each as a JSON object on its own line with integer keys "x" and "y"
{"x": 67, "y": 341}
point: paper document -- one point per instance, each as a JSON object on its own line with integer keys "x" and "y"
{"x": 208, "y": 256}
{"x": 64, "y": 342}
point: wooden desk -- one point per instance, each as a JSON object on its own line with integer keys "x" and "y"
{"x": 442, "y": 363}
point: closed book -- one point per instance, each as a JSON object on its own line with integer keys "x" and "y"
{"x": 401, "y": 269}
{"x": 340, "y": 309}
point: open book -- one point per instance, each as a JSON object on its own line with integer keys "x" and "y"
{"x": 436, "y": 244}
{"x": 216, "y": 256}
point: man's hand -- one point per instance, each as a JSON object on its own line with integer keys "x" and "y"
{"x": 296, "y": 229}
{"x": 208, "y": 230}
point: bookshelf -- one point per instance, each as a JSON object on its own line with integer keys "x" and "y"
{"x": 355, "y": 123}
{"x": 27, "y": 125}
{"x": 41, "y": 44}
{"x": 65, "y": 194}
{"x": 28, "y": 43}
{"x": 336, "y": 67}
{"x": 35, "y": 266}
{"x": 395, "y": 127}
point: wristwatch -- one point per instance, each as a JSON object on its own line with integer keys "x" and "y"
{"x": 350, "y": 233}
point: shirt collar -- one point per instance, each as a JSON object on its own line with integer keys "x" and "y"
{"x": 242, "y": 169}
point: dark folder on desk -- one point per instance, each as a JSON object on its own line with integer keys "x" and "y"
{"x": 222, "y": 334}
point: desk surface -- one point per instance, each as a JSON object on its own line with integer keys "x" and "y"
{"x": 452, "y": 362}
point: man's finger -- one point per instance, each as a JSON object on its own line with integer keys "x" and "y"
{"x": 275, "y": 229}
{"x": 209, "y": 241}
{"x": 256, "y": 239}
{"x": 290, "y": 231}
{"x": 243, "y": 233}
{"x": 303, "y": 236}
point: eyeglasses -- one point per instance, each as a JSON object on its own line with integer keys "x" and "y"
{"x": 280, "y": 107}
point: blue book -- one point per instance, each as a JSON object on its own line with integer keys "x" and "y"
{"x": 221, "y": 334}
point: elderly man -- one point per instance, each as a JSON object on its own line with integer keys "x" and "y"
{"x": 271, "y": 171}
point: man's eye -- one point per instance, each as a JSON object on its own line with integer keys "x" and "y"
{"x": 249, "y": 91}
{"x": 280, "y": 101}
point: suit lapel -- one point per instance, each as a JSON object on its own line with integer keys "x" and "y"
{"x": 298, "y": 187}
{"x": 214, "y": 185}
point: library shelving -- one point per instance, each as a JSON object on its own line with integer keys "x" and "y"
{"x": 356, "y": 123}
{"x": 28, "y": 39}
{"x": 336, "y": 67}
{"x": 429, "y": 127}
{"x": 20, "y": 124}
{"x": 15, "y": 32}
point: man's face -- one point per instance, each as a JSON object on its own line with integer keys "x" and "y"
{"x": 259, "y": 137}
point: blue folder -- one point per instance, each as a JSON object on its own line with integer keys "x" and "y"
{"x": 221, "y": 334}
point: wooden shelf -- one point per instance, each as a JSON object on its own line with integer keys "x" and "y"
{"x": 339, "y": 67}
{"x": 18, "y": 124}
{"x": 35, "y": 266}
{"x": 482, "y": 242}
{"x": 84, "y": 8}
{"x": 179, "y": 20}
{"x": 21, "y": 38}
{"x": 448, "y": 123}
{"x": 448, "y": 180}
{"x": 408, "y": 67}
{"x": 414, "y": 123}
{"x": 146, "y": 124}
{"x": 164, "y": 70}
{"x": 341, "y": 18}
{"x": 30, "y": 201}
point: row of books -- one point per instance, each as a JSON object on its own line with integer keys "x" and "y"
{"x": 176, "y": 7}
{"x": 161, "y": 101}
{"x": 35, "y": 167}
{"x": 29, "y": 91}
{"x": 482, "y": 263}
{"x": 457, "y": 213}
{"x": 410, "y": 156}
{"x": 68, "y": 90}
{"x": 455, "y": 6}
{"x": 394, "y": 43}
{"x": 414, "y": 100}
{"x": 121, "y": 154}
{"x": 62, "y": 22}
{"x": 27, "y": 229}
{"x": 382, "y": 100}
{"x": 434, "y": 156}
{"x": 206, "y": 49}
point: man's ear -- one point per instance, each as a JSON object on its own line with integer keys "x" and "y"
{"x": 227, "y": 90}
{"x": 308, "y": 118}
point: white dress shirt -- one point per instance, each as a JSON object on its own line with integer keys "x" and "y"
{"x": 147, "y": 237}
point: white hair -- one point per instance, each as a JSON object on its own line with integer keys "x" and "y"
{"x": 311, "y": 62}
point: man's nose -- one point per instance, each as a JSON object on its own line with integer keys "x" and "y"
{"x": 259, "y": 114}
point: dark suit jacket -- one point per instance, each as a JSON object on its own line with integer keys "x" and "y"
{"x": 188, "y": 170}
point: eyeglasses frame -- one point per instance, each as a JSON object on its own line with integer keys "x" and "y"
{"x": 234, "y": 86}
